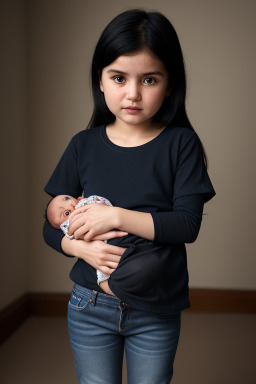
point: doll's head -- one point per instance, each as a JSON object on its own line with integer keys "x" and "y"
{"x": 135, "y": 31}
{"x": 59, "y": 209}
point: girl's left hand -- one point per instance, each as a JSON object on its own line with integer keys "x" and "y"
{"x": 91, "y": 220}
{"x": 104, "y": 285}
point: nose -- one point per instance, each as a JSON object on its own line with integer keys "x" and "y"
{"x": 72, "y": 203}
{"x": 133, "y": 91}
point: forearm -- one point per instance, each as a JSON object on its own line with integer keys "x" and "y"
{"x": 70, "y": 247}
{"x": 182, "y": 225}
{"x": 137, "y": 223}
{"x": 76, "y": 248}
{"x": 53, "y": 237}
{"x": 97, "y": 253}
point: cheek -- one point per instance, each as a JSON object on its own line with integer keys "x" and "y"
{"x": 111, "y": 98}
{"x": 156, "y": 98}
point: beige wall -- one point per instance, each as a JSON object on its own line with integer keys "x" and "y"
{"x": 217, "y": 40}
{"x": 14, "y": 150}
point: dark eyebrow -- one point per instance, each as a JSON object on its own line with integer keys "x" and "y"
{"x": 153, "y": 73}
{"x": 144, "y": 74}
{"x": 116, "y": 71}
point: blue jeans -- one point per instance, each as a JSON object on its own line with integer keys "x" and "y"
{"x": 101, "y": 326}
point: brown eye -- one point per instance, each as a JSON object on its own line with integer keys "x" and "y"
{"x": 119, "y": 79}
{"x": 149, "y": 80}
{"x": 66, "y": 213}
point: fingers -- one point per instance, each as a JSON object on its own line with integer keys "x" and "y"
{"x": 78, "y": 233}
{"x": 115, "y": 250}
{"x": 110, "y": 260}
{"x": 103, "y": 256}
{"x": 77, "y": 211}
{"x": 110, "y": 255}
{"x": 111, "y": 265}
{"x": 77, "y": 227}
{"x": 106, "y": 270}
{"x": 89, "y": 235}
{"x": 83, "y": 232}
{"x": 110, "y": 235}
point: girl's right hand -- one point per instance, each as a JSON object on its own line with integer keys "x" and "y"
{"x": 98, "y": 254}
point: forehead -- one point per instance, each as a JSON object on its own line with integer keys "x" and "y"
{"x": 141, "y": 62}
{"x": 59, "y": 200}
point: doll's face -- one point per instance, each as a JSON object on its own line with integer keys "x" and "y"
{"x": 60, "y": 208}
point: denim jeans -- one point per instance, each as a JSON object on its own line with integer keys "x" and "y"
{"x": 101, "y": 327}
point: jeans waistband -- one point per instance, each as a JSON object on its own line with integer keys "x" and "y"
{"x": 94, "y": 296}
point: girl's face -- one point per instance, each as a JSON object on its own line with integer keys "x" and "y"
{"x": 134, "y": 87}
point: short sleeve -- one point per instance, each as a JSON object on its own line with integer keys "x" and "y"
{"x": 191, "y": 176}
{"x": 65, "y": 178}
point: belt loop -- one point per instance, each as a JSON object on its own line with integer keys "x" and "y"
{"x": 94, "y": 297}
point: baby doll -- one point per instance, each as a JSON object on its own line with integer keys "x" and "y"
{"x": 141, "y": 264}
{"x": 61, "y": 206}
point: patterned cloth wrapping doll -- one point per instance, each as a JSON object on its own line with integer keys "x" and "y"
{"x": 65, "y": 226}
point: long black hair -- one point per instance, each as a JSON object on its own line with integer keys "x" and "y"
{"x": 133, "y": 31}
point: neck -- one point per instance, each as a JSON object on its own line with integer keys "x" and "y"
{"x": 134, "y": 131}
{"x": 127, "y": 135}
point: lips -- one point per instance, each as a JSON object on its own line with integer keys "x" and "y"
{"x": 132, "y": 110}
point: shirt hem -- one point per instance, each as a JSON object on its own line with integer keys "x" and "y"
{"x": 162, "y": 310}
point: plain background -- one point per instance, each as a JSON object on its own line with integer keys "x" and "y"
{"x": 46, "y": 50}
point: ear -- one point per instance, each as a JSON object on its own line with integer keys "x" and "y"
{"x": 101, "y": 85}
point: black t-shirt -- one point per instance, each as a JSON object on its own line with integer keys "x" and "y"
{"x": 166, "y": 177}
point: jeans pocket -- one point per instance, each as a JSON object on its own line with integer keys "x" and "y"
{"x": 78, "y": 301}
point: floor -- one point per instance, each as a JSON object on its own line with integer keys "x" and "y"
{"x": 214, "y": 348}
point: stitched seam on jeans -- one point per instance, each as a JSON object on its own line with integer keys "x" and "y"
{"x": 85, "y": 294}
{"x": 78, "y": 308}
{"x": 113, "y": 305}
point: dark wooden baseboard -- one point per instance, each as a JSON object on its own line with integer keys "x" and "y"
{"x": 55, "y": 304}
{"x": 49, "y": 304}
{"x": 223, "y": 300}
{"x": 13, "y": 315}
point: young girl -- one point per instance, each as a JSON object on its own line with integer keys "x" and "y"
{"x": 142, "y": 154}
